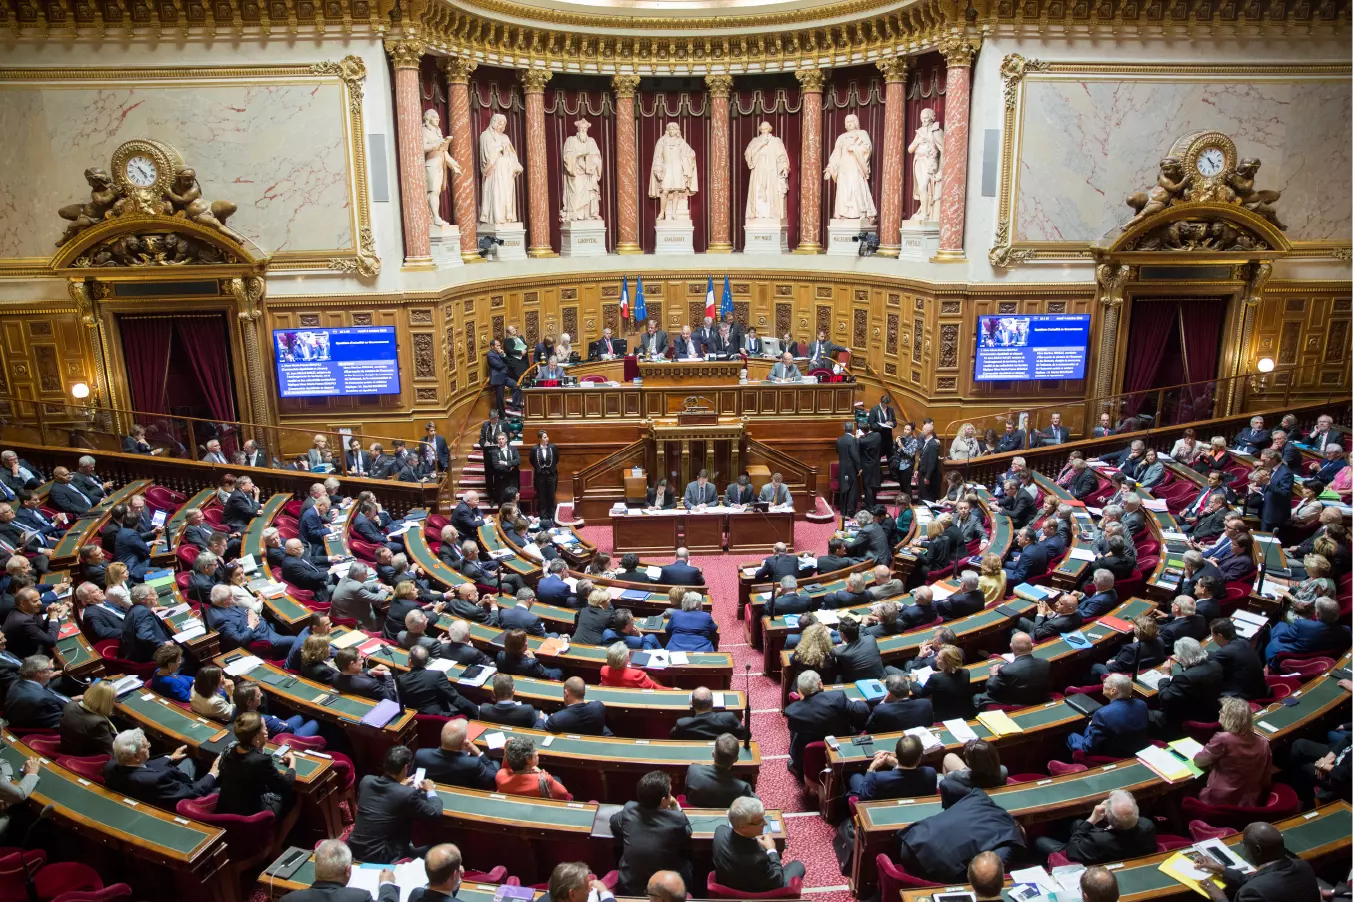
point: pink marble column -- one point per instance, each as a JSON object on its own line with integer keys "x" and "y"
{"x": 537, "y": 179}
{"x": 810, "y": 161}
{"x": 720, "y": 191}
{"x": 626, "y": 165}
{"x": 958, "y": 54}
{"x": 413, "y": 199}
{"x": 457, "y": 72}
{"x": 892, "y": 159}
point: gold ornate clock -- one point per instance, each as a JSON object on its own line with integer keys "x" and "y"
{"x": 144, "y": 170}
{"x": 1208, "y": 160}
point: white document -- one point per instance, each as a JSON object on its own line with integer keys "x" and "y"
{"x": 533, "y": 551}
{"x": 929, "y": 741}
{"x": 750, "y": 571}
{"x": 248, "y": 563}
{"x": 1171, "y": 535}
{"x": 191, "y": 633}
{"x": 939, "y": 592}
{"x": 241, "y": 666}
{"x": 441, "y": 665}
{"x": 1082, "y": 554}
{"x": 960, "y": 730}
{"x": 495, "y": 740}
{"x": 653, "y": 572}
{"x": 1215, "y": 848}
{"x": 1037, "y": 876}
{"x": 1151, "y": 678}
{"x": 718, "y": 699}
{"x": 678, "y": 658}
{"x": 571, "y": 582}
{"x": 922, "y": 675}
{"x": 657, "y": 660}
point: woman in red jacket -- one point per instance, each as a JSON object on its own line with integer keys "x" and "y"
{"x": 617, "y": 671}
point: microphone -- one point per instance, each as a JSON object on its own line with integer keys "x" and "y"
{"x": 28, "y": 872}
{"x": 747, "y": 708}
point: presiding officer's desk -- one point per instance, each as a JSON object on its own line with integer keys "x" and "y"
{"x": 529, "y": 836}
{"x": 135, "y": 835}
{"x": 1314, "y": 836}
{"x": 703, "y": 532}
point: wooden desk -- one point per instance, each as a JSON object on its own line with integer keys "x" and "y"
{"x": 1068, "y": 573}
{"x": 701, "y": 533}
{"x": 1314, "y": 836}
{"x": 749, "y": 531}
{"x": 756, "y": 532}
{"x": 645, "y": 533}
{"x": 174, "y": 526}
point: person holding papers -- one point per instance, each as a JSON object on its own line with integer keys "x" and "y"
{"x": 387, "y": 806}
{"x": 968, "y": 600}
{"x": 775, "y": 492}
{"x": 1278, "y": 875}
{"x": 1119, "y": 729}
{"x": 1145, "y": 653}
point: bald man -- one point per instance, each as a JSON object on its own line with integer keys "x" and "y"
{"x": 299, "y": 571}
{"x": 457, "y": 762}
{"x": 666, "y": 886}
{"x": 1098, "y": 884}
{"x": 1027, "y": 680}
{"x": 445, "y": 870}
{"x": 986, "y": 873}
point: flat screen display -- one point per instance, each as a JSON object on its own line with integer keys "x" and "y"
{"x": 315, "y": 361}
{"x": 1046, "y": 346}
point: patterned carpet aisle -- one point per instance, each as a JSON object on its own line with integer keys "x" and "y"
{"x": 809, "y": 837}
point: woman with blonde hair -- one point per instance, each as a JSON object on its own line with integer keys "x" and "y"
{"x": 815, "y": 652}
{"x": 618, "y": 672}
{"x": 965, "y": 445}
{"x": 1317, "y": 583}
{"x": 991, "y": 578}
{"x": 595, "y": 619}
{"x": 949, "y": 687}
{"x": 315, "y": 660}
{"x": 115, "y": 574}
{"x": 1237, "y": 757}
{"x": 86, "y": 728}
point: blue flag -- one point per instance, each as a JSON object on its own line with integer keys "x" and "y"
{"x": 640, "y": 310}
{"x": 625, "y": 297}
{"x": 726, "y": 302}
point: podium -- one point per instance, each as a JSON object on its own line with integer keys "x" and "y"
{"x": 696, "y": 440}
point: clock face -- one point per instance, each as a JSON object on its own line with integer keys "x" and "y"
{"x": 141, "y": 171}
{"x": 1210, "y": 162}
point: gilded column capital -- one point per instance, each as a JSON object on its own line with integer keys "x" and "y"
{"x": 405, "y": 53}
{"x": 534, "y": 80}
{"x": 457, "y": 70}
{"x": 811, "y": 79}
{"x": 894, "y": 69}
{"x": 1112, "y": 278}
{"x": 719, "y": 85}
{"x": 959, "y": 50}
{"x": 625, "y": 85}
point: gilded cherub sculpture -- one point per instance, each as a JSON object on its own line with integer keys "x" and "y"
{"x": 102, "y": 196}
{"x": 1260, "y": 202}
{"x": 1169, "y": 187}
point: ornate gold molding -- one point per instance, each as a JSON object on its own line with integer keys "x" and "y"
{"x": 248, "y": 294}
{"x": 1016, "y": 71}
{"x": 811, "y": 79}
{"x": 959, "y": 50}
{"x": 625, "y": 85}
{"x": 1257, "y": 278}
{"x": 533, "y": 81}
{"x": 404, "y": 52}
{"x": 894, "y": 69}
{"x": 457, "y": 70}
{"x": 719, "y": 85}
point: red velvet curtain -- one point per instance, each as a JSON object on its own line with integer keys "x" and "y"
{"x": 569, "y": 98}
{"x": 1152, "y": 322}
{"x": 432, "y": 91}
{"x": 494, "y": 90}
{"x": 203, "y": 339}
{"x": 854, "y": 90}
{"x": 684, "y": 101}
{"x": 145, "y": 347}
{"x": 773, "y": 99}
{"x": 925, "y": 90}
{"x": 1201, "y": 338}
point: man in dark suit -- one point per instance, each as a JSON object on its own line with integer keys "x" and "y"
{"x": 871, "y": 466}
{"x": 883, "y": 419}
{"x": 1119, "y": 729}
{"x": 88, "y": 482}
{"x": 938, "y": 848}
{"x": 1084, "y": 483}
{"x": 1277, "y": 494}
{"x": 714, "y": 785}
{"x": 871, "y": 542}
{"x": 680, "y": 572}
{"x": 1192, "y": 694}
{"x": 1242, "y": 670}
{"x": 897, "y": 774}
{"x": 630, "y": 571}
{"x": 356, "y": 461}
{"x": 1017, "y": 504}
{"x": 162, "y": 782}
{"x": 653, "y": 343}
{"x": 1253, "y": 438}
{"x": 706, "y": 723}
{"x": 847, "y": 469}
{"x": 787, "y": 599}
{"x": 441, "y": 453}
{"x": 928, "y": 471}
{"x": 142, "y": 631}
{"x": 1055, "y": 434}
{"x": 429, "y": 691}
{"x": 28, "y": 629}
{"x": 1029, "y": 559}
{"x": 457, "y": 762}
{"x": 835, "y": 558}
{"x": 66, "y": 496}
{"x": 853, "y": 595}
{"x": 387, "y": 808}
{"x": 578, "y": 714}
{"x": 298, "y": 571}
{"x": 606, "y": 347}
{"x": 1114, "y": 831}
{"x": 966, "y": 601}
{"x": 376, "y": 683}
{"x": 457, "y": 647}
{"x": 1101, "y": 599}
{"x": 519, "y": 616}
{"x": 505, "y": 709}
{"x": 503, "y": 463}
{"x": 500, "y": 377}
{"x": 822, "y": 352}
{"x": 1052, "y": 620}
{"x": 1184, "y": 621}
{"x": 819, "y": 714}
{"x": 1011, "y": 440}
{"x": 700, "y": 492}
{"x": 745, "y": 856}
{"x": 898, "y": 711}
{"x": 1211, "y": 523}
{"x": 466, "y": 516}
{"x": 333, "y": 870}
{"x": 740, "y": 492}
{"x": 197, "y": 531}
{"x": 545, "y": 474}
{"x": 552, "y": 589}
{"x": 18, "y": 474}
{"x": 725, "y": 342}
{"x": 30, "y": 704}
{"x": 780, "y": 563}
{"x": 687, "y": 346}
{"x": 653, "y": 833}
{"x": 1025, "y": 681}
{"x": 1277, "y": 876}
{"x": 102, "y": 615}
{"x": 29, "y": 515}
{"x": 858, "y": 657}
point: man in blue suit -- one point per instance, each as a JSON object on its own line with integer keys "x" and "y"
{"x": 1309, "y": 636}
{"x": 30, "y": 516}
{"x": 1252, "y": 439}
{"x": 240, "y": 626}
{"x": 65, "y": 496}
{"x": 895, "y": 775}
{"x": 103, "y": 614}
{"x": 578, "y": 715}
{"x": 680, "y": 572}
{"x": 457, "y": 762}
{"x": 700, "y": 492}
{"x": 1119, "y": 729}
{"x": 30, "y": 704}
{"x": 552, "y": 589}
{"x": 131, "y": 546}
{"x": 142, "y": 631}
{"x": 1102, "y": 600}
{"x": 1334, "y": 462}
{"x": 1277, "y": 493}
{"x": 1030, "y": 560}
{"x": 314, "y": 527}
{"x": 519, "y": 616}
{"x": 1052, "y": 538}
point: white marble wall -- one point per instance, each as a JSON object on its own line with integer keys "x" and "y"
{"x": 278, "y": 151}
{"x": 1086, "y": 144}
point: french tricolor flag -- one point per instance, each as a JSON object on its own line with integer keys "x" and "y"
{"x": 624, "y": 297}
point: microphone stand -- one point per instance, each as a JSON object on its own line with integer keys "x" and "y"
{"x": 747, "y": 708}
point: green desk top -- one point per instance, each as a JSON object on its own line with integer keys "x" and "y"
{"x": 420, "y": 553}
{"x": 1071, "y": 792}
{"x": 75, "y": 652}
{"x": 519, "y": 811}
{"x": 1056, "y": 649}
{"x": 252, "y": 541}
{"x": 490, "y": 540}
{"x": 132, "y": 822}
{"x": 483, "y": 636}
{"x": 1070, "y": 566}
{"x": 173, "y": 528}
{"x": 339, "y": 707}
{"x": 656, "y": 751}
{"x": 1316, "y": 697}
{"x": 69, "y": 545}
{"x": 1029, "y": 719}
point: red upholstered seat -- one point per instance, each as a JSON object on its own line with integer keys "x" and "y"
{"x": 497, "y": 875}
{"x": 893, "y": 879}
{"x": 1061, "y": 768}
{"x": 90, "y": 768}
{"x": 293, "y": 508}
{"x": 1201, "y": 830}
{"x": 1282, "y": 802}
{"x": 107, "y": 894}
{"x": 186, "y": 553}
{"x": 247, "y": 838}
{"x": 109, "y": 649}
{"x": 1164, "y": 843}
{"x": 46, "y": 746}
{"x": 593, "y": 379}
{"x": 50, "y": 880}
{"x": 718, "y": 891}
{"x": 215, "y": 517}
{"x": 163, "y": 499}
{"x": 528, "y": 488}
{"x": 364, "y": 550}
{"x": 1288, "y": 664}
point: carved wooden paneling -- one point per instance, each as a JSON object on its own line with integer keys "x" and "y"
{"x": 610, "y": 317}
{"x": 1057, "y": 306}
{"x": 784, "y": 291}
{"x": 1336, "y": 346}
{"x": 610, "y": 291}
{"x": 948, "y": 345}
{"x": 420, "y": 317}
{"x": 309, "y": 319}
{"x": 532, "y": 327}
{"x": 695, "y": 313}
{"x": 361, "y": 319}
{"x": 890, "y": 336}
{"x": 1289, "y": 344}
{"x": 742, "y": 311}
{"x": 424, "y": 358}
{"x": 894, "y": 299}
{"x": 40, "y": 328}
{"x": 49, "y": 373}
{"x": 498, "y": 326}
{"x": 823, "y": 321}
{"x": 570, "y": 321}
{"x": 917, "y": 336}
{"x": 1007, "y": 307}
{"x": 784, "y": 317}
{"x": 859, "y": 329}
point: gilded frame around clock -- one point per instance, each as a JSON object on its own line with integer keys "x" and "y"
{"x": 1016, "y": 70}
{"x": 349, "y": 74}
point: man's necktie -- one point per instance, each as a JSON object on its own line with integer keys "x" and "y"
{"x": 8, "y": 495}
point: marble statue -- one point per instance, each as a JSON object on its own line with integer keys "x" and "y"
{"x": 499, "y": 166}
{"x": 582, "y": 177}
{"x": 438, "y": 160}
{"x": 848, "y": 166}
{"x": 769, "y": 181}
{"x": 186, "y": 196}
{"x": 928, "y": 146}
{"x": 673, "y": 180}
{"x": 102, "y": 195}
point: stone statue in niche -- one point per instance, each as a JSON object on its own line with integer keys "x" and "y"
{"x": 186, "y": 196}
{"x": 581, "y": 160}
{"x": 102, "y": 196}
{"x": 928, "y": 147}
{"x": 1169, "y": 187}
{"x": 1259, "y": 202}
{"x": 848, "y": 166}
{"x": 437, "y": 160}
{"x": 769, "y": 182}
{"x": 673, "y": 178}
{"x": 499, "y": 167}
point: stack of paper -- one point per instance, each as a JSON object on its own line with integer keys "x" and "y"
{"x": 1151, "y": 678}
{"x": 241, "y": 666}
{"x": 1082, "y": 554}
{"x": 1167, "y": 765}
{"x": 1181, "y": 866}
{"x": 1187, "y": 748}
{"x": 1248, "y": 623}
{"x": 960, "y": 730}
{"x": 929, "y": 741}
{"x": 998, "y": 722}
{"x": 922, "y": 675}
{"x": 1155, "y": 504}
{"x": 349, "y": 639}
{"x": 939, "y": 592}
{"x": 653, "y": 572}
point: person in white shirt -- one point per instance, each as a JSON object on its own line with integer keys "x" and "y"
{"x": 785, "y": 370}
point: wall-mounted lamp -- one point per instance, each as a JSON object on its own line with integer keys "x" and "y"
{"x": 1264, "y": 366}
{"x": 79, "y": 391}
